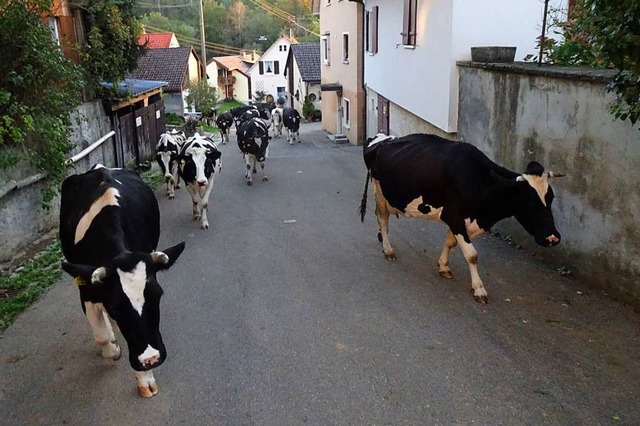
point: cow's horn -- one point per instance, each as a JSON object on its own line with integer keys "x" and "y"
{"x": 98, "y": 275}
{"x": 159, "y": 257}
{"x": 556, "y": 174}
{"x": 520, "y": 179}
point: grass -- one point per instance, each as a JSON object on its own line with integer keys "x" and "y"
{"x": 209, "y": 129}
{"x": 28, "y": 282}
{"x": 153, "y": 178}
{"x": 226, "y": 106}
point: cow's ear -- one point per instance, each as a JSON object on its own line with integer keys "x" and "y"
{"x": 81, "y": 273}
{"x": 166, "y": 258}
{"x": 534, "y": 168}
{"x": 215, "y": 154}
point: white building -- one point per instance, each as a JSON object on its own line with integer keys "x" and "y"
{"x": 303, "y": 75}
{"x": 267, "y": 74}
{"x": 411, "y": 49}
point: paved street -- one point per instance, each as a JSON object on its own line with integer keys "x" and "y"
{"x": 285, "y": 312}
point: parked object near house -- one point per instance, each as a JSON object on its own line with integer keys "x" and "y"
{"x": 167, "y": 151}
{"x": 426, "y": 176}
{"x": 253, "y": 141}
{"x": 200, "y": 165}
{"x": 291, "y": 120}
{"x": 109, "y": 231}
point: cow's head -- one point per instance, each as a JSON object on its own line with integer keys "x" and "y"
{"x": 129, "y": 291}
{"x": 533, "y": 197}
{"x": 199, "y": 159}
{"x": 167, "y": 159}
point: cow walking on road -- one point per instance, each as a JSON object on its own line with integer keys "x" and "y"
{"x": 167, "y": 151}
{"x": 253, "y": 141}
{"x": 427, "y": 176}
{"x": 224, "y": 123}
{"x": 277, "y": 122}
{"x": 109, "y": 231}
{"x": 291, "y": 120}
{"x": 201, "y": 164}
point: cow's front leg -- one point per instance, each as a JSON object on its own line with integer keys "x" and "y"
{"x": 443, "y": 262}
{"x": 204, "y": 223}
{"x": 102, "y": 331}
{"x": 298, "y": 136}
{"x": 147, "y": 386}
{"x": 194, "y": 192}
{"x": 289, "y": 137}
{"x": 471, "y": 255}
{"x": 248, "y": 173}
{"x": 176, "y": 179}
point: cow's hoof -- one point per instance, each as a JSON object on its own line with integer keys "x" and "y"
{"x": 264, "y": 178}
{"x": 390, "y": 257}
{"x": 481, "y": 299}
{"x": 118, "y": 355}
{"x": 254, "y": 171}
{"x": 446, "y": 274}
{"x": 380, "y": 236}
{"x": 249, "y": 183}
{"x": 205, "y": 225}
{"x": 148, "y": 391}
{"x": 171, "y": 197}
{"x": 299, "y": 141}
{"x": 290, "y": 143}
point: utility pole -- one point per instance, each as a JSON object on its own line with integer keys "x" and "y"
{"x": 204, "y": 49}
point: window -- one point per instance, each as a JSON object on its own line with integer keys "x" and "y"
{"x": 268, "y": 67}
{"x": 282, "y": 48}
{"x": 345, "y": 48}
{"x": 326, "y": 49}
{"x": 346, "y": 120}
{"x": 55, "y": 29}
{"x": 371, "y": 29}
{"x": 409, "y": 22}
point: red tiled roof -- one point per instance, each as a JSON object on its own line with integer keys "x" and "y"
{"x": 167, "y": 64}
{"x": 235, "y": 62}
{"x": 155, "y": 40}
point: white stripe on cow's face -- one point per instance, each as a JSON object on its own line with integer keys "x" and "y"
{"x": 199, "y": 156}
{"x": 149, "y": 356}
{"x": 379, "y": 138}
{"x": 133, "y": 284}
{"x": 109, "y": 198}
{"x": 540, "y": 184}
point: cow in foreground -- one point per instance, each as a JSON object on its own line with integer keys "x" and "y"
{"x": 277, "y": 122}
{"x": 253, "y": 140}
{"x": 426, "y": 176}
{"x": 109, "y": 231}
{"x": 224, "y": 123}
{"x": 291, "y": 120}
{"x": 167, "y": 151}
{"x": 200, "y": 165}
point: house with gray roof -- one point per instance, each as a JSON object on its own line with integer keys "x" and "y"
{"x": 178, "y": 66}
{"x": 303, "y": 75}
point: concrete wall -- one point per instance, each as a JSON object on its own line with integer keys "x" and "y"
{"x": 22, "y": 219}
{"x": 560, "y": 118}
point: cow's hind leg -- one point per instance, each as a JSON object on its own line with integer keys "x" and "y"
{"x": 264, "y": 174}
{"x": 382, "y": 214}
{"x": 471, "y": 255}
{"x": 147, "y": 386}
{"x": 102, "y": 331}
{"x": 247, "y": 175}
{"x": 443, "y": 262}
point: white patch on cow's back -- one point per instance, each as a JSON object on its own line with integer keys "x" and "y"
{"x": 109, "y": 198}
{"x": 412, "y": 210}
{"x": 149, "y": 352}
{"x": 540, "y": 184}
{"x": 133, "y": 284}
{"x": 380, "y": 137}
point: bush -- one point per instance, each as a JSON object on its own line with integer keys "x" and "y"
{"x": 308, "y": 109}
{"x": 174, "y": 119}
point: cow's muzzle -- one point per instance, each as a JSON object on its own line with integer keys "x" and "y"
{"x": 202, "y": 183}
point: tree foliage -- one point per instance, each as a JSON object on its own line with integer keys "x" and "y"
{"x": 39, "y": 88}
{"x": 201, "y": 96}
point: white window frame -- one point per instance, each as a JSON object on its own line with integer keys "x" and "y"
{"x": 54, "y": 26}
{"x": 325, "y": 43}
{"x": 345, "y": 47}
{"x": 273, "y": 67}
{"x": 346, "y": 112}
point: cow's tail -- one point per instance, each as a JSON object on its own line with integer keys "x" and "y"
{"x": 363, "y": 203}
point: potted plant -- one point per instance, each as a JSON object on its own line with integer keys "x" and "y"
{"x": 308, "y": 110}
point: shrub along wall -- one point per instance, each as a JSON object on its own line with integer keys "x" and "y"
{"x": 560, "y": 117}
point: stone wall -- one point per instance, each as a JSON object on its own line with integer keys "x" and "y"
{"x": 560, "y": 117}
{"x": 22, "y": 218}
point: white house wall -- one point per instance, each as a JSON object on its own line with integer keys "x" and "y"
{"x": 424, "y": 80}
{"x": 241, "y": 87}
{"x": 270, "y": 82}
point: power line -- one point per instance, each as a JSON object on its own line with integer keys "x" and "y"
{"x": 276, "y": 13}
{"x": 162, "y": 6}
{"x": 209, "y": 44}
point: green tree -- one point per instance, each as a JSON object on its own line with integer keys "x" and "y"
{"x": 157, "y": 20}
{"x": 39, "y": 89}
{"x": 202, "y": 97}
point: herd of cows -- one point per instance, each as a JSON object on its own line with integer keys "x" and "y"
{"x": 110, "y": 219}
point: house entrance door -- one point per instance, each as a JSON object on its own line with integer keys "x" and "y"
{"x": 383, "y": 115}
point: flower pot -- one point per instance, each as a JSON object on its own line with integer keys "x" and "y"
{"x": 499, "y": 54}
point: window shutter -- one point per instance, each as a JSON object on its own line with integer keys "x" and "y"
{"x": 260, "y": 67}
{"x": 406, "y": 19}
{"x": 374, "y": 32}
{"x": 276, "y": 67}
{"x": 367, "y": 31}
{"x": 409, "y": 22}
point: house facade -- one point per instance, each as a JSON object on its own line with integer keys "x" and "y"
{"x": 411, "y": 50}
{"x": 341, "y": 44}
{"x": 267, "y": 74}
{"x": 230, "y": 75}
{"x": 66, "y": 22}
{"x": 303, "y": 75}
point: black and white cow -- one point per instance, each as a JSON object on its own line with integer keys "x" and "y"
{"x": 253, "y": 140}
{"x": 291, "y": 120}
{"x": 167, "y": 151}
{"x": 426, "y": 176}
{"x": 224, "y": 123}
{"x": 277, "y": 122}
{"x": 200, "y": 165}
{"x": 243, "y": 113}
{"x": 109, "y": 231}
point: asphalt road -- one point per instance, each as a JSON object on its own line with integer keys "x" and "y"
{"x": 285, "y": 312}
